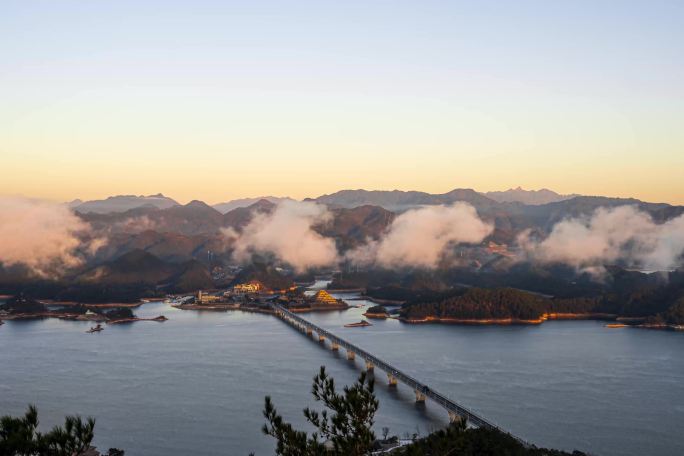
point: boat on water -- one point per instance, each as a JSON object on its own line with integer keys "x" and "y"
{"x": 94, "y": 329}
{"x": 359, "y": 324}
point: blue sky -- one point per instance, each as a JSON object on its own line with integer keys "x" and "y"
{"x": 308, "y": 97}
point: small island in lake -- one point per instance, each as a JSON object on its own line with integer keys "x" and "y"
{"x": 359, "y": 324}
{"x": 376, "y": 312}
{"x": 21, "y": 307}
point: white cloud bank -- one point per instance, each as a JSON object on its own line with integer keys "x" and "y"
{"x": 287, "y": 233}
{"x": 41, "y": 235}
{"x": 420, "y": 237}
{"x": 610, "y": 235}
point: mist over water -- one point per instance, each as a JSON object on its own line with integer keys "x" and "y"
{"x": 195, "y": 384}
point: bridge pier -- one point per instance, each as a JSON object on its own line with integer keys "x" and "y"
{"x": 457, "y": 414}
{"x": 455, "y": 417}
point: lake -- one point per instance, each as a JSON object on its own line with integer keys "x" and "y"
{"x": 196, "y": 383}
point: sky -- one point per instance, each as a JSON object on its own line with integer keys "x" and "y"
{"x": 216, "y": 100}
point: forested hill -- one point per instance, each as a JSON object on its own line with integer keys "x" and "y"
{"x": 662, "y": 305}
{"x": 482, "y": 304}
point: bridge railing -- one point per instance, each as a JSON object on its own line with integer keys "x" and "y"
{"x": 437, "y": 397}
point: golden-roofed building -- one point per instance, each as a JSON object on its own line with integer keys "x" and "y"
{"x": 323, "y": 297}
{"x": 247, "y": 288}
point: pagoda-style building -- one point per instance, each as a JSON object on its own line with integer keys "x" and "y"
{"x": 323, "y": 300}
{"x": 322, "y": 297}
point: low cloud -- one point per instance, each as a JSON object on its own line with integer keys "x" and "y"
{"x": 45, "y": 237}
{"x": 420, "y": 237}
{"x": 622, "y": 234}
{"x": 288, "y": 234}
{"x": 136, "y": 224}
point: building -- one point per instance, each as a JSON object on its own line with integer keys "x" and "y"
{"x": 323, "y": 297}
{"x": 203, "y": 298}
{"x": 247, "y": 288}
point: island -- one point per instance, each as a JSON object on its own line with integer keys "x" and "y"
{"x": 500, "y": 306}
{"x": 21, "y": 307}
{"x": 376, "y": 312}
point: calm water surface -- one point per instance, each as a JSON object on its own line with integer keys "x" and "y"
{"x": 195, "y": 384}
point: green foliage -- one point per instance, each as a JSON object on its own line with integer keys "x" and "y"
{"x": 345, "y": 425}
{"x": 459, "y": 440}
{"x": 478, "y": 303}
{"x": 121, "y": 313}
{"x": 23, "y": 305}
{"x": 20, "y": 436}
{"x": 377, "y": 310}
{"x": 675, "y": 314}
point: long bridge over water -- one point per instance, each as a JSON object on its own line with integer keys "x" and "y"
{"x": 456, "y": 412}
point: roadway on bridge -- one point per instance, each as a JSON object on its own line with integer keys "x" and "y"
{"x": 454, "y": 409}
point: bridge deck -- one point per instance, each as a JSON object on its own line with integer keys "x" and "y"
{"x": 445, "y": 402}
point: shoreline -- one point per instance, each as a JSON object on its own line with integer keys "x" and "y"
{"x": 104, "y": 305}
{"x": 510, "y": 320}
{"x": 345, "y": 290}
{"x": 379, "y": 316}
{"x": 319, "y": 309}
{"x": 385, "y": 302}
{"x": 215, "y": 307}
{"x": 159, "y": 319}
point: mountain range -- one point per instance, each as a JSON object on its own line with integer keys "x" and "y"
{"x": 155, "y": 245}
{"x": 529, "y": 197}
{"x": 394, "y": 200}
{"x": 244, "y": 202}
{"x": 122, "y": 203}
{"x": 179, "y": 233}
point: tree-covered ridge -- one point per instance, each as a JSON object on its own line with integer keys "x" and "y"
{"x": 482, "y": 304}
{"x": 459, "y": 440}
{"x": 661, "y": 303}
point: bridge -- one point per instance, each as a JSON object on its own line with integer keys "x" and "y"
{"x": 456, "y": 412}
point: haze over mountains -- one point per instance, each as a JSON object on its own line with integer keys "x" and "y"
{"x": 129, "y": 246}
{"x": 391, "y": 200}
{"x": 244, "y": 202}
{"x": 175, "y": 232}
{"x": 122, "y": 203}
{"x": 531, "y": 197}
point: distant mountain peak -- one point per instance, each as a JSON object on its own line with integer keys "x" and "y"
{"x": 228, "y": 206}
{"x": 529, "y": 197}
{"x": 399, "y": 200}
{"x": 262, "y": 203}
{"x": 198, "y": 204}
{"x": 123, "y": 203}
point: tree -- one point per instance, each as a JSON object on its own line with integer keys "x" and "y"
{"x": 347, "y": 431}
{"x": 20, "y": 436}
